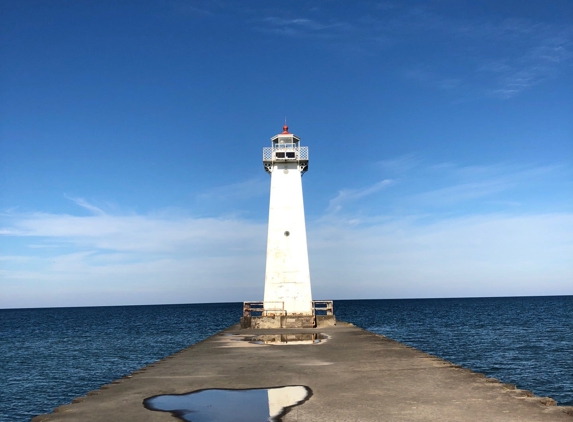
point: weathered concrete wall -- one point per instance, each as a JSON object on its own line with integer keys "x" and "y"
{"x": 278, "y": 321}
{"x": 325, "y": 321}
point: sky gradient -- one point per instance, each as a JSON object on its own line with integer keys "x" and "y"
{"x": 131, "y": 135}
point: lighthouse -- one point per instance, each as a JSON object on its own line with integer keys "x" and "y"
{"x": 287, "y": 274}
{"x": 287, "y": 300}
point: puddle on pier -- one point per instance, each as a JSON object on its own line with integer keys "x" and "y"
{"x": 252, "y": 405}
{"x": 291, "y": 338}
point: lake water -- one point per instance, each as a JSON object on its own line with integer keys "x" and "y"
{"x": 50, "y": 356}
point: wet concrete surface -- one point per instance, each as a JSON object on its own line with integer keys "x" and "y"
{"x": 354, "y": 375}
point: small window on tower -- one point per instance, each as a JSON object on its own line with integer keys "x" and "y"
{"x": 290, "y": 155}
{"x": 280, "y": 155}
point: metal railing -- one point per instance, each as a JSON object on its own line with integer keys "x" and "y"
{"x": 260, "y": 308}
{"x": 286, "y": 146}
{"x": 323, "y": 307}
{"x": 301, "y": 153}
{"x": 267, "y": 154}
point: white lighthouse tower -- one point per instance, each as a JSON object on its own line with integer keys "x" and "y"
{"x": 287, "y": 299}
{"x": 287, "y": 275}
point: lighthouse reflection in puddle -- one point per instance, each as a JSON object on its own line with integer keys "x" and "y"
{"x": 252, "y": 405}
{"x": 281, "y": 339}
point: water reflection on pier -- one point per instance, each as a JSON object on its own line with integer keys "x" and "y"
{"x": 252, "y": 405}
{"x": 291, "y": 338}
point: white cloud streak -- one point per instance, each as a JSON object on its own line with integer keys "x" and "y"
{"x": 492, "y": 255}
{"x": 115, "y": 259}
{"x": 526, "y": 53}
{"x": 135, "y": 233}
{"x": 304, "y": 27}
{"x": 164, "y": 257}
{"x": 352, "y": 195}
{"x": 242, "y": 190}
{"x": 469, "y": 256}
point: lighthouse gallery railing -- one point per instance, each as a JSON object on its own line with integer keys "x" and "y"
{"x": 301, "y": 153}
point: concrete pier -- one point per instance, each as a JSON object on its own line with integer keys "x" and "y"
{"x": 354, "y": 375}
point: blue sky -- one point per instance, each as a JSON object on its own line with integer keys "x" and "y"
{"x": 440, "y": 136}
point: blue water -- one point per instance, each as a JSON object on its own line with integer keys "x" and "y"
{"x": 526, "y": 341}
{"x": 50, "y": 356}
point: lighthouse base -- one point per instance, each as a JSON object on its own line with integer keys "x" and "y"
{"x": 284, "y": 321}
{"x": 271, "y": 315}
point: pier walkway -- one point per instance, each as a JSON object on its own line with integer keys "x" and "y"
{"x": 354, "y": 375}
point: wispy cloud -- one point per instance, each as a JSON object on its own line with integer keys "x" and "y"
{"x": 434, "y": 78}
{"x": 541, "y": 57}
{"x": 119, "y": 254}
{"x": 481, "y": 255}
{"x": 84, "y": 204}
{"x": 303, "y": 27}
{"x": 476, "y": 56}
{"x": 163, "y": 233}
{"x": 197, "y": 7}
{"x": 526, "y": 53}
{"x": 492, "y": 184}
{"x": 460, "y": 193}
{"x": 360, "y": 247}
{"x": 485, "y": 255}
{"x": 448, "y": 188}
{"x": 348, "y": 195}
{"x": 399, "y": 164}
{"x": 237, "y": 191}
